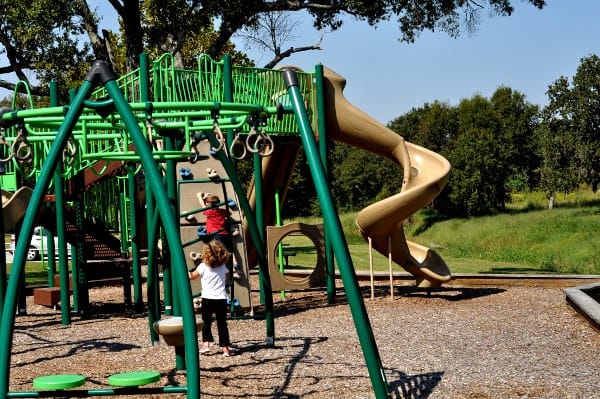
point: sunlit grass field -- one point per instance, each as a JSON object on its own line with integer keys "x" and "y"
{"x": 528, "y": 239}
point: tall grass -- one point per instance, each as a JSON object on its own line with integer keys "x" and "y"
{"x": 528, "y": 239}
{"x": 554, "y": 241}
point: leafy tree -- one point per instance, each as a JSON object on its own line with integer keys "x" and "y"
{"x": 557, "y": 171}
{"x": 43, "y": 35}
{"x": 572, "y": 120}
{"x": 488, "y": 142}
{"x": 518, "y": 120}
{"x": 433, "y": 126}
{"x": 480, "y": 171}
{"x": 360, "y": 177}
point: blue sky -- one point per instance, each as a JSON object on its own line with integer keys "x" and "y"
{"x": 526, "y": 51}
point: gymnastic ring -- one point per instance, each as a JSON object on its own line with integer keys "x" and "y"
{"x": 70, "y": 152}
{"x": 252, "y": 140}
{"x": 265, "y": 138}
{"x": 237, "y": 143}
{"x": 19, "y": 144}
{"x": 219, "y": 136}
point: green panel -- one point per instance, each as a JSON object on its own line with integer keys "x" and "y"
{"x": 8, "y": 182}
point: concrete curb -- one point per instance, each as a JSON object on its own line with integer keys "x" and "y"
{"x": 584, "y": 299}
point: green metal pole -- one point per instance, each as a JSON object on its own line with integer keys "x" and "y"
{"x": 63, "y": 264}
{"x": 228, "y": 91}
{"x": 123, "y": 222}
{"x": 323, "y": 153}
{"x": 171, "y": 177}
{"x": 152, "y": 287}
{"x": 78, "y": 262}
{"x": 152, "y": 225}
{"x": 258, "y": 212}
{"x": 333, "y": 227}
{"x": 53, "y": 87}
{"x": 138, "y": 300}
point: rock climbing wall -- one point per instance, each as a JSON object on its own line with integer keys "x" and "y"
{"x": 209, "y": 177}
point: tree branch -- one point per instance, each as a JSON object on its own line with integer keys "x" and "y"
{"x": 280, "y": 56}
{"x": 35, "y": 90}
{"x": 91, "y": 27}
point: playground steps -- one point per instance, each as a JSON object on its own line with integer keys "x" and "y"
{"x": 50, "y": 296}
{"x": 46, "y": 296}
{"x": 99, "y": 243}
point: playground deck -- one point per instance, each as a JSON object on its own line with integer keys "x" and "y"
{"x": 461, "y": 342}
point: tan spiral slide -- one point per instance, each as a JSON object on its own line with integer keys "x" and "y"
{"x": 425, "y": 175}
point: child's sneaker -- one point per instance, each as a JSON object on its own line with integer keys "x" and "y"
{"x": 205, "y": 348}
{"x": 227, "y": 352}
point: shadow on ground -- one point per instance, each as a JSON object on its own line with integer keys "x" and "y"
{"x": 418, "y": 386}
{"x": 447, "y": 293}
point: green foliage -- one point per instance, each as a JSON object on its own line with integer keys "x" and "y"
{"x": 56, "y": 39}
{"x": 43, "y": 36}
{"x": 489, "y": 143}
{"x": 570, "y": 133}
{"x": 359, "y": 177}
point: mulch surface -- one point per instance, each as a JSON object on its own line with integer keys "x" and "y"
{"x": 458, "y": 342}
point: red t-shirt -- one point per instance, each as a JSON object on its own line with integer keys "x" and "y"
{"x": 216, "y": 219}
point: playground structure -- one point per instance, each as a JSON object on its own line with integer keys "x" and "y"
{"x": 160, "y": 121}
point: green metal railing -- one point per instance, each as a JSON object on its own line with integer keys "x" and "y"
{"x": 181, "y": 99}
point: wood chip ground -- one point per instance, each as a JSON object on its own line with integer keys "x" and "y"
{"x": 469, "y": 342}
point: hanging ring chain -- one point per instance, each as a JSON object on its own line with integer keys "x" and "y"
{"x": 21, "y": 148}
{"x": 219, "y": 136}
{"x": 259, "y": 142}
{"x": 236, "y": 144}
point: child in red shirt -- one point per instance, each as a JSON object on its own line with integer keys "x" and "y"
{"x": 218, "y": 226}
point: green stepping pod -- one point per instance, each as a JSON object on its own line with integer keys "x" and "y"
{"x": 58, "y": 381}
{"x": 134, "y": 378}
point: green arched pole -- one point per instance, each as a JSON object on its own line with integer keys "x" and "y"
{"x": 101, "y": 73}
{"x": 333, "y": 229}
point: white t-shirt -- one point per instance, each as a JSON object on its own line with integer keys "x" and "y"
{"x": 213, "y": 281}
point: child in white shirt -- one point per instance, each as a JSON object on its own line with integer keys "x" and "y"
{"x": 213, "y": 274}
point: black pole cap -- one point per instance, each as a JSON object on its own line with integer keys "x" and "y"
{"x": 100, "y": 72}
{"x": 290, "y": 78}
